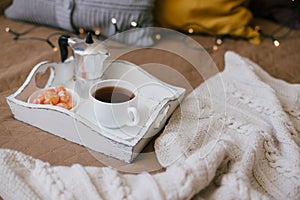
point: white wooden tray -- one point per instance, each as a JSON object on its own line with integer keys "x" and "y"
{"x": 157, "y": 101}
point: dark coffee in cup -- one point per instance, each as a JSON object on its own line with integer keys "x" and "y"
{"x": 113, "y": 94}
{"x": 115, "y": 103}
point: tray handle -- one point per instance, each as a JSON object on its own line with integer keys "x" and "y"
{"x": 30, "y": 85}
{"x": 42, "y": 68}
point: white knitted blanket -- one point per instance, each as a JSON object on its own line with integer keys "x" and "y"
{"x": 237, "y": 136}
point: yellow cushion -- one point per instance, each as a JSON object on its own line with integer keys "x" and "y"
{"x": 213, "y": 17}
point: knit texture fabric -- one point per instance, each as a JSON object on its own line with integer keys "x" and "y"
{"x": 88, "y": 14}
{"x": 236, "y": 136}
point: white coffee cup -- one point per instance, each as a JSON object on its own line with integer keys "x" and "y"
{"x": 115, "y": 103}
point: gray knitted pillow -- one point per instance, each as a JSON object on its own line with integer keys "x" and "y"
{"x": 88, "y": 14}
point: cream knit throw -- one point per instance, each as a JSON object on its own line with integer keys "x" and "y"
{"x": 235, "y": 137}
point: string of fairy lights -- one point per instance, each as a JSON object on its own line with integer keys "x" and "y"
{"x": 18, "y": 36}
{"x": 219, "y": 39}
{"x": 81, "y": 31}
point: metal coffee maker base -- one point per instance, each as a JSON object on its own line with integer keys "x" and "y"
{"x": 82, "y": 86}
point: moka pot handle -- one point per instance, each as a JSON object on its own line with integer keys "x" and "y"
{"x": 63, "y": 46}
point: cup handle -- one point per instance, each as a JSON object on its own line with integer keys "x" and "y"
{"x": 134, "y": 117}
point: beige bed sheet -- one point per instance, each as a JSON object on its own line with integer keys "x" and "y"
{"x": 19, "y": 56}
